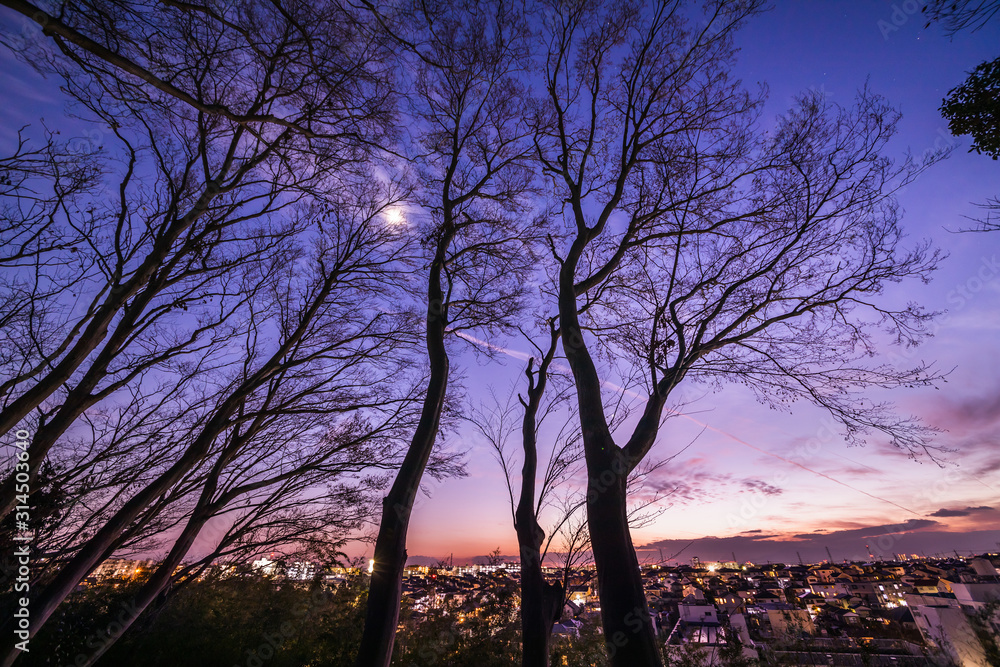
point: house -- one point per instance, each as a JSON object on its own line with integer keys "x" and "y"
{"x": 826, "y": 573}
{"x": 698, "y": 614}
{"x": 768, "y": 598}
{"x": 812, "y": 602}
{"x": 692, "y": 591}
{"x": 842, "y": 615}
{"x": 920, "y": 585}
{"x": 567, "y": 628}
{"x": 824, "y": 590}
{"x": 730, "y": 603}
{"x": 572, "y": 609}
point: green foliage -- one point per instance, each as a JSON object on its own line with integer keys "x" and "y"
{"x": 222, "y": 622}
{"x": 81, "y": 625}
{"x": 973, "y": 108}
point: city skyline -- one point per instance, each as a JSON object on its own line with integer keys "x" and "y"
{"x": 615, "y": 283}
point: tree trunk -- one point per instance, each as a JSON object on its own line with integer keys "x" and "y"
{"x": 541, "y": 601}
{"x": 628, "y": 628}
{"x": 386, "y": 588}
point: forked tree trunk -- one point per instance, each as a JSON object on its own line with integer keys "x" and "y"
{"x": 628, "y": 627}
{"x": 541, "y": 601}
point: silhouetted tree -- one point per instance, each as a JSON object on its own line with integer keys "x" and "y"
{"x": 703, "y": 248}
{"x": 973, "y": 108}
{"x": 286, "y": 419}
{"x": 237, "y": 277}
{"x": 297, "y": 464}
{"x": 957, "y": 15}
{"x": 188, "y": 183}
{"x": 542, "y": 602}
{"x": 466, "y": 103}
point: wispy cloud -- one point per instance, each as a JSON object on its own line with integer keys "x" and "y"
{"x": 945, "y": 512}
{"x": 687, "y": 485}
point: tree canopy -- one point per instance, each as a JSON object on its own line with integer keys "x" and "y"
{"x": 973, "y": 108}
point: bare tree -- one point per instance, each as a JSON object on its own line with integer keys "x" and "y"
{"x": 319, "y": 362}
{"x": 216, "y": 173}
{"x": 314, "y": 59}
{"x": 473, "y": 142}
{"x": 222, "y": 284}
{"x": 501, "y": 424}
{"x": 958, "y": 15}
{"x": 541, "y": 601}
{"x": 702, "y": 247}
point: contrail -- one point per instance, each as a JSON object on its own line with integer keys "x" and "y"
{"x": 798, "y": 465}
{"x": 523, "y": 356}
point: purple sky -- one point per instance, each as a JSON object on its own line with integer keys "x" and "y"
{"x": 761, "y": 483}
{"x": 734, "y": 491}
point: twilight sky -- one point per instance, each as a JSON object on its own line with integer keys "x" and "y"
{"x": 765, "y": 484}
{"x": 756, "y": 482}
